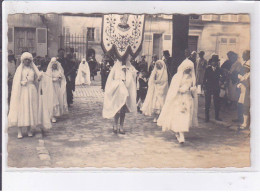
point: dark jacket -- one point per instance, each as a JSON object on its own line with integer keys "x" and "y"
{"x": 64, "y": 65}
{"x": 212, "y": 79}
{"x": 142, "y": 66}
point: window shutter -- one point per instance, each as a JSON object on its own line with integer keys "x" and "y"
{"x": 167, "y": 42}
{"x": 97, "y": 34}
{"x": 10, "y": 34}
{"x": 11, "y": 39}
{"x": 41, "y": 41}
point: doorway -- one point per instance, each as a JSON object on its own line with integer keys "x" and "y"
{"x": 193, "y": 43}
{"x": 157, "y": 45}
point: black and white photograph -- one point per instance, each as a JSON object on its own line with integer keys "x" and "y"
{"x": 128, "y": 90}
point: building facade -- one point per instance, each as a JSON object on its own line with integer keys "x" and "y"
{"x": 43, "y": 34}
{"x": 82, "y": 33}
{"x": 157, "y": 33}
{"x": 36, "y": 33}
{"x": 219, "y": 34}
{"x": 157, "y": 36}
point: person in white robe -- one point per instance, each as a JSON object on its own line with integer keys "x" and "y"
{"x": 157, "y": 91}
{"x": 83, "y": 75}
{"x": 23, "y": 110}
{"x": 179, "y": 112}
{"x": 120, "y": 93}
{"x": 55, "y": 83}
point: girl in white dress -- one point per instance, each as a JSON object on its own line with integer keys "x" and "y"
{"x": 55, "y": 83}
{"x": 157, "y": 90}
{"x": 179, "y": 112}
{"x": 83, "y": 75}
{"x": 24, "y": 97}
{"x": 120, "y": 93}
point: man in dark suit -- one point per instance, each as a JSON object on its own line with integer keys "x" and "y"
{"x": 212, "y": 87}
{"x": 69, "y": 72}
{"x": 142, "y": 65}
{"x": 171, "y": 68}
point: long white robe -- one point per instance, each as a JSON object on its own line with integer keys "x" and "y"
{"x": 179, "y": 112}
{"x": 83, "y": 75}
{"x": 24, "y": 110}
{"x": 157, "y": 91}
{"x": 54, "y": 84}
{"x": 120, "y": 90}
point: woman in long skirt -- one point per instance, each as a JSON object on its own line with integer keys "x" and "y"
{"x": 55, "y": 83}
{"x": 179, "y": 112}
{"x": 24, "y": 97}
{"x": 120, "y": 93}
{"x": 157, "y": 90}
{"x": 83, "y": 75}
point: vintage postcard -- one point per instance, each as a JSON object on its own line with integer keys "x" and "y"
{"x": 127, "y": 90}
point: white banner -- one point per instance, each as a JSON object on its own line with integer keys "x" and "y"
{"x": 122, "y": 32}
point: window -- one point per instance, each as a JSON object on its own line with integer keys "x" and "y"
{"x": 91, "y": 34}
{"x": 215, "y": 17}
{"x": 10, "y": 34}
{"x": 25, "y": 40}
{"x": 223, "y": 40}
{"x": 194, "y": 17}
{"x": 167, "y": 37}
{"x": 229, "y": 18}
{"x": 234, "y": 18}
{"x": 224, "y": 18}
{"x": 232, "y": 40}
{"x": 207, "y": 17}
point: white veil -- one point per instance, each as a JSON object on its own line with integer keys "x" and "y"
{"x": 174, "y": 88}
{"x": 162, "y": 86}
{"x": 117, "y": 93}
{"x": 16, "y": 89}
{"x": 83, "y": 68}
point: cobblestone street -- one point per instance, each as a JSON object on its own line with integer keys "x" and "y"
{"x": 84, "y": 139}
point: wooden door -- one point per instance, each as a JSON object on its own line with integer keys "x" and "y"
{"x": 193, "y": 43}
{"x": 25, "y": 40}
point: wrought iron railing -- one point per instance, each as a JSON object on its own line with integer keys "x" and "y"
{"x": 74, "y": 43}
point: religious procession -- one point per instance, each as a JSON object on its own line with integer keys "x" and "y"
{"x": 151, "y": 87}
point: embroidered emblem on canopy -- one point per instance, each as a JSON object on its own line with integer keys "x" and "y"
{"x": 123, "y": 33}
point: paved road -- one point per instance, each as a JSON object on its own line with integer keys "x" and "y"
{"x": 84, "y": 139}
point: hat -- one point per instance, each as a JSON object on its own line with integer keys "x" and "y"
{"x": 215, "y": 58}
{"x": 166, "y": 53}
{"x": 201, "y": 53}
